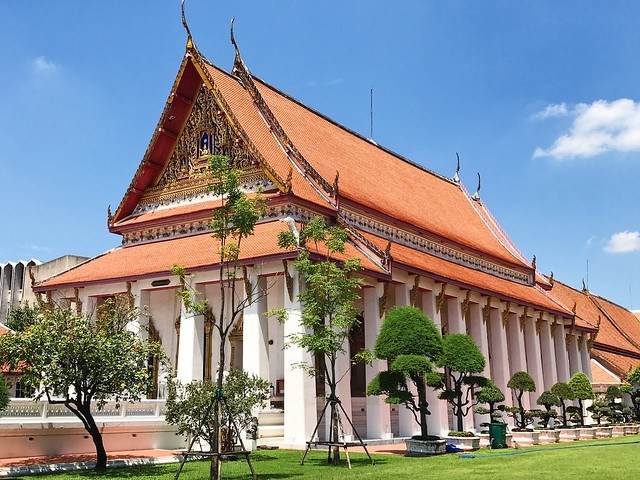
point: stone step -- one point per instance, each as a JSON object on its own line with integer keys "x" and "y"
{"x": 270, "y": 431}
{"x": 271, "y": 417}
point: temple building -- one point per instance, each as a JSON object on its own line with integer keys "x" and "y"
{"x": 422, "y": 239}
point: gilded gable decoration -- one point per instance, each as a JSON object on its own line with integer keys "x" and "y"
{"x": 486, "y": 310}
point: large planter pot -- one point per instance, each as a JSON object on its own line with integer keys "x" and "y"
{"x": 485, "y": 441}
{"x": 419, "y": 448}
{"x": 630, "y": 430}
{"x": 587, "y": 433}
{"x": 526, "y": 439}
{"x": 464, "y": 443}
{"x": 549, "y": 436}
{"x": 604, "y": 432}
{"x": 568, "y": 435}
{"x": 618, "y": 431}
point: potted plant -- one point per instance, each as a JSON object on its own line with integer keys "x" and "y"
{"x": 493, "y": 397}
{"x": 582, "y": 390}
{"x": 520, "y": 383}
{"x": 564, "y": 394}
{"x": 409, "y": 342}
{"x": 548, "y": 434}
{"x": 462, "y": 360}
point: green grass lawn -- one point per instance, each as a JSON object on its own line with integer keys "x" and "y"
{"x": 607, "y": 459}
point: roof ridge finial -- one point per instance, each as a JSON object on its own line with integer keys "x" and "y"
{"x": 190, "y": 44}
{"x": 584, "y": 286}
{"x": 238, "y": 63}
{"x": 476, "y": 196}
{"x": 456, "y": 177}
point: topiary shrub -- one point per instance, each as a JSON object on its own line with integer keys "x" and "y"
{"x": 582, "y": 390}
{"x": 632, "y": 388}
{"x": 615, "y": 408}
{"x": 4, "y": 394}
{"x": 520, "y": 383}
{"x": 409, "y": 342}
{"x": 461, "y": 359}
{"x": 548, "y": 400}
{"x": 564, "y": 393}
{"x": 492, "y": 396}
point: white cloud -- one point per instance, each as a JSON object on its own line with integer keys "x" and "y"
{"x": 598, "y": 127}
{"x": 552, "y": 110}
{"x": 36, "y": 248}
{"x": 623, "y": 242}
{"x": 42, "y": 65}
{"x": 590, "y": 240}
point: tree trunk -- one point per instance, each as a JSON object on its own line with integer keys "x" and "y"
{"x": 334, "y": 435}
{"x": 96, "y": 436}
{"x": 564, "y": 414}
{"x": 521, "y": 421}
{"x": 423, "y": 406}
{"x": 581, "y": 413}
{"x": 215, "y": 470}
{"x": 459, "y": 409}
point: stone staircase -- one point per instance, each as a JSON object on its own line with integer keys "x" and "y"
{"x": 270, "y": 425}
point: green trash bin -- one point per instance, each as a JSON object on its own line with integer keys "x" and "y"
{"x": 498, "y": 435}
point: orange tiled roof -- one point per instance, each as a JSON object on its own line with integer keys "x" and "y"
{"x": 3, "y": 329}
{"x": 159, "y": 257}
{"x": 601, "y": 375}
{"x": 619, "y": 364}
{"x": 192, "y": 252}
{"x": 622, "y": 321}
{"x": 465, "y": 276}
{"x": 382, "y": 181}
{"x": 587, "y": 314}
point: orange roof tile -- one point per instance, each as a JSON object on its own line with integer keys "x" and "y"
{"x": 601, "y": 375}
{"x": 619, "y": 320}
{"x": 587, "y": 314}
{"x": 4, "y": 329}
{"x": 159, "y": 257}
{"x": 382, "y": 181}
{"x": 465, "y": 276}
{"x": 619, "y": 364}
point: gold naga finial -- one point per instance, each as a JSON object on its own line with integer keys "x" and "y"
{"x": 575, "y": 307}
{"x": 238, "y": 63}
{"x": 288, "y": 182}
{"x": 533, "y": 263}
{"x": 190, "y": 44}
{"x": 584, "y": 286}
{"x": 335, "y": 184}
{"x": 109, "y": 216}
{"x": 551, "y": 278}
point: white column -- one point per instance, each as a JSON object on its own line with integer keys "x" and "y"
{"x": 517, "y": 353}
{"x": 575, "y": 364}
{"x": 547, "y": 350}
{"x": 585, "y": 357}
{"x": 499, "y": 354}
{"x": 300, "y": 413}
{"x": 479, "y": 334}
{"x": 255, "y": 331}
{"x": 191, "y": 351}
{"x": 534, "y": 358}
{"x": 378, "y": 412}
{"x": 141, "y": 301}
{"x": 455, "y": 318}
{"x": 438, "y": 421}
{"x": 562, "y": 357}
{"x": 407, "y": 425}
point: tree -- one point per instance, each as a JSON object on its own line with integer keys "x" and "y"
{"x": 521, "y": 382}
{"x": 72, "y": 360}
{"x": 4, "y": 394}
{"x": 548, "y": 400}
{"x": 21, "y": 317}
{"x": 461, "y": 359}
{"x": 615, "y": 408}
{"x": 599, "y": 409}
{"x": 632, "y": 388}
{"x": 188, "y": 405}
{"x": 492, "y": 396}
{"x": 582, "y": 390}
{"x": 564, "y": 393}
{"x": 410, "y": 342}
{"x": 328, "y": 311}
{"x": 233, "y": 221}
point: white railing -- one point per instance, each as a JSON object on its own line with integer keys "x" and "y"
{"x": 21, "y": 409}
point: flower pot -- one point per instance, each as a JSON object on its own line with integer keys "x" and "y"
{"x": 417, "y": 448}
{"x": 586, "y": 433}
{"x": 604, "y": 432}
{"x": 464, "y": 443}
{"x": 526, "y": 439}
{"x": 549, "y": 436}
{"x": 618, "y": 431}
{"x": 568, "y": 435}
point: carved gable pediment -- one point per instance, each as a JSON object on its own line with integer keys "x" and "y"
{"x": 206, "y": 132}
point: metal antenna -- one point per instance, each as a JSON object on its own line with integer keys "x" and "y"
{"x": 587, "y": 274}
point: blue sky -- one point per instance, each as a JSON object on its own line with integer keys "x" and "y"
{"x": 542, "y": 98}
